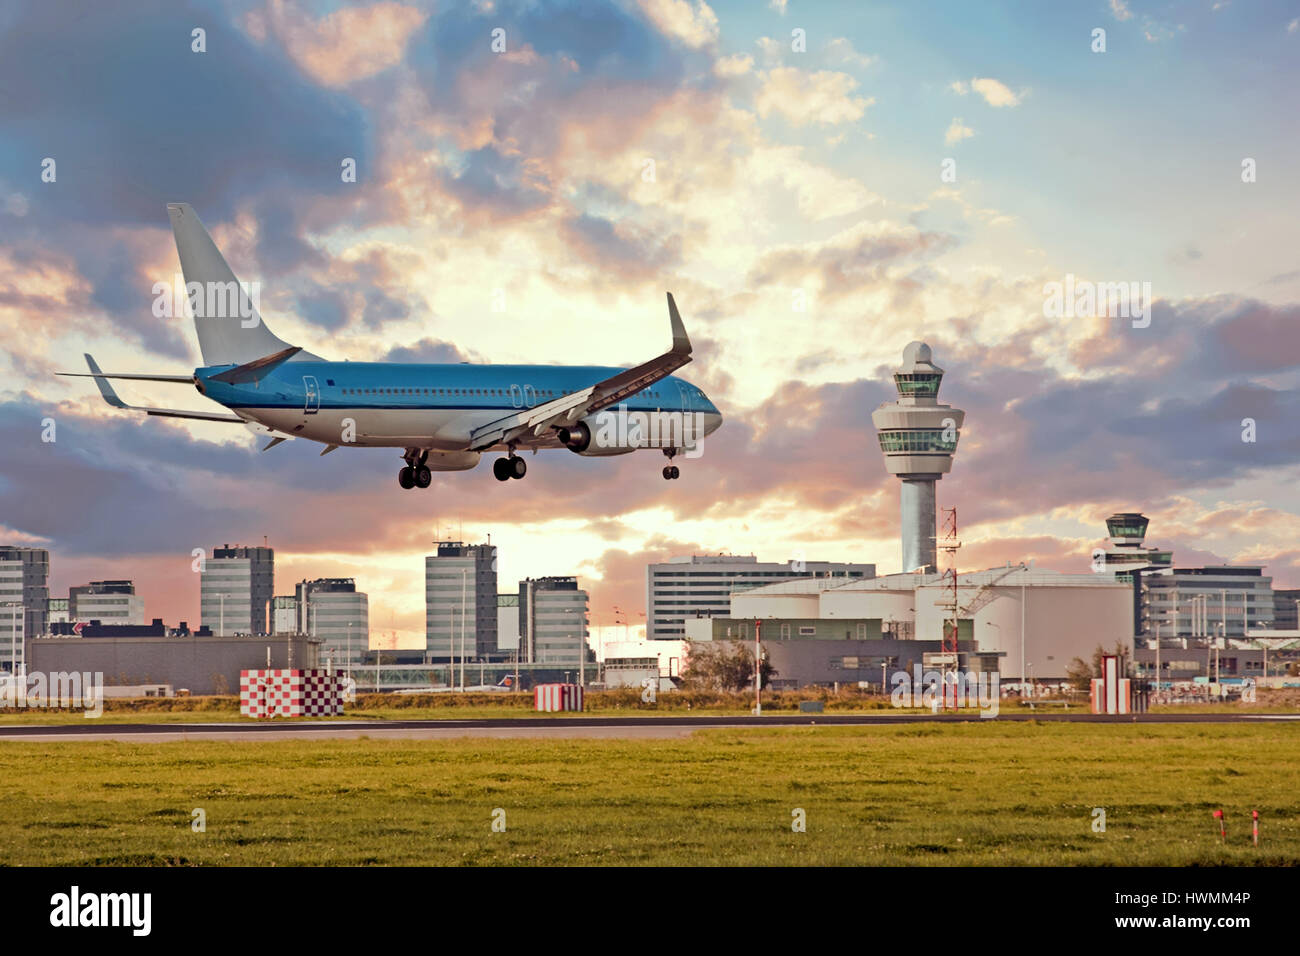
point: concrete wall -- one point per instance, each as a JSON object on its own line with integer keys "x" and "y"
{"x": 204, "y": 665}
{"x": 800, "y": 663}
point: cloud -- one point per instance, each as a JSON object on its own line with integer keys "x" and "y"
{"x": 840, "y": 52}
{"x": 696, "y": 24}
{"x": 737, "y": 64}
{"x": 1119, "y": 9}
{"x": 823, "y": 97}
{"x": 995, "y": 92}
{"x": 957, "y": 131}
{"x": 342, "y": 47}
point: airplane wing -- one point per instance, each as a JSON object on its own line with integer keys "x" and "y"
{"x": 586, "y": 401}
{"x": 111, "y": 398}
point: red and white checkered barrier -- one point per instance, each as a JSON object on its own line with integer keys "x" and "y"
{"x": 290, "y": 693}
{"x": 552, "y": 697}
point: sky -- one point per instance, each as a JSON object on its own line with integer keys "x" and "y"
{"x": 817, "y": 183}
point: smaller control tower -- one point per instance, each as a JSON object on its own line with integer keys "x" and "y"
{"x": 919, "y": 437}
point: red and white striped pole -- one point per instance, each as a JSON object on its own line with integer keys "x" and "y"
{"x": 1255, "y": 826}
{"x": 758, "y": 670}
{"x": 1223, "y": 829}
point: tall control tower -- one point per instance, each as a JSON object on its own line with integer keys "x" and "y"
{"x": 919, "y": 437}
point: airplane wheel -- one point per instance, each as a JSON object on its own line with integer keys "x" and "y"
{"x": 406, "y": 477}
{"x": 668, "y": 472}
{"x": 676, "y": 472}
{"x": 501, "y": 469}
{"x": 518, "y": 467}
{"x": 423, "y": 477}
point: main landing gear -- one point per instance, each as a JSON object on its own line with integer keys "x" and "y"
{"x": 512, "y": 467}
{"x": 416, "y": 474}
{"x": 671, "y": 472}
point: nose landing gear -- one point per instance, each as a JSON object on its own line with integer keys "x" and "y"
{"x": 671, "y": 472}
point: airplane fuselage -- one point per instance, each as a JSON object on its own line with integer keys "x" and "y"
{"x": 429, "y": 406}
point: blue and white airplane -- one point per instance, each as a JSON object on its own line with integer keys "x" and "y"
{"x": 444, "y": 416}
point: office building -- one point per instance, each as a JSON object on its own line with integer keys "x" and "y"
{"x": 918, "y": 437}
{"x": 284, "y": 614}
{"x": 24, "y": 598}
{"x": 460, "y": 599}
{"x": 553, "y": 622}
{"x": 110, "y": 602}
{"x": 1286, "y": 609}
{"x": 334, "y": 612}
{"x": 507, "y": 622}
{"x": 235, "y": 590}
{"x": 702, "y": 585}
{"x": 56, "y": 611}
{"x": 1207, "y": 603}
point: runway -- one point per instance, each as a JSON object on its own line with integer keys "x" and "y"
{"x": 630, "y": 727}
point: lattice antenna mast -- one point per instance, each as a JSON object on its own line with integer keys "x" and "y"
{"x": 949, "y": 545}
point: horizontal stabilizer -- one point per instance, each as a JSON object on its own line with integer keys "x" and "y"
{"x": 111, "y": 398}
{"x": 257, "y": 369}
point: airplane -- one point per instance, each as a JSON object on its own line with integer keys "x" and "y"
{"x": 442, "y": 416}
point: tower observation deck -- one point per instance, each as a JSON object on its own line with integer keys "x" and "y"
{"x": 918, "y": 437}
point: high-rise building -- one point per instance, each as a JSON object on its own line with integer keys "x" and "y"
{"x": 235, "y": 590}
{"x": 460, "y": 600}
{"x": 919, "y": 438}
{"x": 333, "y": 610}
{"x": 24, "y": 599}
{"x": 109, "y": 602}
{"x": 701, "y": 585}
{"x": 553, "y": 622}
{"x": 507, "y": 622}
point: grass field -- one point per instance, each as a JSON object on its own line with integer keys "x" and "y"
{"x": 988, "y": 793}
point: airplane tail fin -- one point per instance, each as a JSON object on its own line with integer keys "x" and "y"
{"x": 230, "y": 330}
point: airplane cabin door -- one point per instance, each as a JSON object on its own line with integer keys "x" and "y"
{"x": 311, "y": 395}
{"x": 516, "y": 396}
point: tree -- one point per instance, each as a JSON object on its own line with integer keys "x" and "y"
{"x": 723, "y": 665}
{"x": 1078, "y": 673}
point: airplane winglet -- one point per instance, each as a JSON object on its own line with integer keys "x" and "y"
{"x": 681, "y": 344}
{"x": 105, "y": 389}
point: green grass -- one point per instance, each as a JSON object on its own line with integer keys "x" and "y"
{"x": 975, "y": 794}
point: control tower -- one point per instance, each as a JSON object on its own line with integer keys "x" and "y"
{"x": 918, "y": 437}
